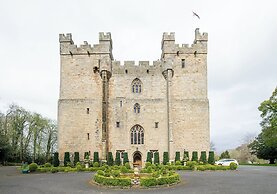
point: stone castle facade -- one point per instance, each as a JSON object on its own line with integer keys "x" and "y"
{"x": 106, "y": 106}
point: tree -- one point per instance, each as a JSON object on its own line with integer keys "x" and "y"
{"x": 194, "y": 156}
{"x": 225, "y": 155}
{"x": 186, "y": 156}
{"x": 177, "y": 156}
{"x": 211, "y": 157}
{"x": 125, "y": 158}
{"x": 95, "y": 157}
{"x": 165, "y": 158}
{"x": 265, "y": 145}
{"x": 76, "y": 158}
{"x": 269, "y": 122}
{"x": 261, "y": 150}
{"x": 110, "y": 159}
{"x": 149, "y": 157}
{"x": 203, "y": 157}
{"x": 117, "y": 158}
{"x": 156, "y": 158}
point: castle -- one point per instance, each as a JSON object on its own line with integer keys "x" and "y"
{"x": 106, "y": 106}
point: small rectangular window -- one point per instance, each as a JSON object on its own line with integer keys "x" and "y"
{"x": 117, "y": 124}
{"x": 87, "y": 110}
{"x": 183, "y": 63}
{"x": 88, "y": 135}
{"x": 156, "y": 124}
{"x": 120, "y": 103}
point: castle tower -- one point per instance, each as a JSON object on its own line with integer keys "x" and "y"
{"x": 105, "y": 106}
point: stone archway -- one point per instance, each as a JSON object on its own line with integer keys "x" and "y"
{"x": 137, "y": 161}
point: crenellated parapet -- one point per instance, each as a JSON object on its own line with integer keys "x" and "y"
{"x": 131, "y": 67}
{"x": 67, "y": 46}
{"x": 199, "y": 45}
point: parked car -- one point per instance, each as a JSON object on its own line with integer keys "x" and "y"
{"x": 226, "y": 162}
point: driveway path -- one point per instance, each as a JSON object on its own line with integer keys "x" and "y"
{"x": 247, "y": 179}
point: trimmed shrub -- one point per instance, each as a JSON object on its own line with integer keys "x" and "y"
{"x": 115, "y": 173}
{"x": 123, "y": 169}
{"x": 156, "y": 158}
{"x": 110, "y": 159}
{"x": 127, "y": 165}
{"x": 56, "y": 161}
{"x": 86, "y": 155}
{"x": 33, "y": 167}
{"x": 95, "y": 164}
{"x": 194, "y": 156}
{"x": 148, "y": 182}
{"x": 149, "y": 157}
{"x": 54, "y": 170}
{"x": 66, "y": 158}
{"x": 76, "y": 158}
{"x": 191, "y": 164}
{"x": 178, "y": 163}
{"x": 125, "y": 158}
{"x": 203, "y": 157}
{"x": 79, "y": 167}
{"x": 147, "y": 164}
{"x": 96, "y": 157}
{"x": 165, "y": 158}
{"x": 117, "y": 158}
{"x": 112, "y": 181}
{"x": 211, "y": 157}
{"x": 233, "y": 166}
{"x": 47, "y": 165}
{"x": 174, "y": 178}
{"x": 177, "y": 156}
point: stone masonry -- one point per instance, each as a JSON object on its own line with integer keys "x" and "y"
{"x": 96, "y": 109}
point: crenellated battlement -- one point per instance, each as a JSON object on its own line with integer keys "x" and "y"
{"x": 170, "y": 48}
{"x": 67, "y": 46}
{"x": 170, "y": 36}
{"x": 66, "y": 38}
{"x": 131, "y": 67}
{"x": 105, "y": 36}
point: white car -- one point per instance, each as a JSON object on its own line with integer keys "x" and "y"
{"x": 226, "y": 162}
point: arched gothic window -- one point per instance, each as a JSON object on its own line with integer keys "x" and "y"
{"x": 137, "y": 108}
{"x": 136, "y": 86}
{"x": 137, "y": 135}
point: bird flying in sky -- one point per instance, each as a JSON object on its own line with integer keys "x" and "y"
{"x": 195, "y": 14}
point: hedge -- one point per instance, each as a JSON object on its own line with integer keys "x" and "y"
{"x": 33, "y": 167}
{"x": 112, "y": 181}
{"x": 150, "y": 181}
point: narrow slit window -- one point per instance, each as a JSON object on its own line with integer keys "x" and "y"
{"x": 117, "y": 124}
{"x": 88, "y": 135}
{"x": 87, "y": 110}
{"x": 183, "y": 63}
{"x": 156, "y": 124}
{"x": 120, "y": 103}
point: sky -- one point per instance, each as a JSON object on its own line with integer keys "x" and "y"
{"x": 242, "y": 70}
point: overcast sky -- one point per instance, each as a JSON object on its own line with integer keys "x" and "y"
{"x": 242, "y": 50}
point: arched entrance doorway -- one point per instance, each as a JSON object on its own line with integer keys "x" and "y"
{"x": 137, "y": 159}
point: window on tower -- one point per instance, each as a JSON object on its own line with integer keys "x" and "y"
{"x": 136, "y": 86}
{"x": 137, "y": 135}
